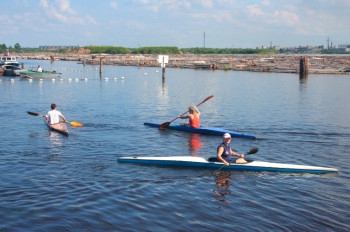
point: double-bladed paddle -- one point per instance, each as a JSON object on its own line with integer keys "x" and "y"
{"x": 72, "y": 123}
{"x": 251, "y": 151}
{"x": 166, "y": 124}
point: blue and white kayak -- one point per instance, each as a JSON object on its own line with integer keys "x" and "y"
{"x": 203, "y": 130}
{"x": 200, "y": 162}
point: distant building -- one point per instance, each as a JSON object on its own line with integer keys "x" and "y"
{"x": 56, "y": 48}
{"x": 303, "y": 49}
{"x": 344, "y": 47}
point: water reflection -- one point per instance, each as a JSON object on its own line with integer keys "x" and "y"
{"x": 163, "y": 85}
{"x": 223, "y": 182}
{"x": 303, "y": 84}
{"x": 55, "y": 138}
{"x": 194, "y": 144}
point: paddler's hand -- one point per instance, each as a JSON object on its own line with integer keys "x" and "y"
{"x": 241, "y": 155}
{"x": 227, "y": 163}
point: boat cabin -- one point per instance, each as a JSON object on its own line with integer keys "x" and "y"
{"x": 7, "y": 59}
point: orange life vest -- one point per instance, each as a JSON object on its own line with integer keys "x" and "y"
{"x": 194, "y": 121}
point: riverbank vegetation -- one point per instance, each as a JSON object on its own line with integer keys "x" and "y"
{"x": 152, "y": 50}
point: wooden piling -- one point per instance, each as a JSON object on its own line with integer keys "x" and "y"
{"x": 304, "y": 67}
{"x": 52, "y": 58}
{"x": 163, "y": 69}
{"x": 101, "y": 66}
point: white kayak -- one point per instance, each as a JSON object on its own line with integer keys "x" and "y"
{"x": 200, "y": 162}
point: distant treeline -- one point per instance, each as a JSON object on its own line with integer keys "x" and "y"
{"x": 227, "y": 51}
{"x": 141, "y": 50}
{"x": 154, "y": 50}
{"x": 176, "y": 50}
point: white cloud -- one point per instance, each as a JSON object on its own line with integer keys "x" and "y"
{"x": 90, "y": 19}
{"x": 173, "y": 5}
{"x": 114, "y": 5}
{"x": 142, "y": 1}
{"x": 206, "y": 3}
{"x": 61, "y": 10}
{"x": 291, "y": 19}
{"x": 265, "y": 3}
{"x": 222, "y": 17}
{"x": 155, "y": 9}
{"x": 64, "y": 5}
{"x": 255, "y": 10}
{"x": 44, "y": 3}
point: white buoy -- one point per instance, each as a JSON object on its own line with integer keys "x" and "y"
{"x": 76, "y": 79}
{"x": 123, "y": 78}
{"x": 145, "y": 73}
{"x": 30, "y": 80}
{"x": 115, "y": 78}
{"x": 69, "y": 79}
{"x": 53, "y": 79}
{"x": 106, "y": 79}
{"x": 12, "y": 80}
{"x": 41, "y": 79}
{"x": 61, "y": 79}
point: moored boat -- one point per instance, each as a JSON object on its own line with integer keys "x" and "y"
{"x": 35, "y": 74}
{"x": 252, "y": 165}
{"x": 58, "y": 127}
{"x": 203, "y": 130}
{"x": 11, "y": 69}
{"x": 7, "y": 59}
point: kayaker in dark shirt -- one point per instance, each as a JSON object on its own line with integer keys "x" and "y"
{"x": 193, "y": 117}
{"x": 225, "y": 153}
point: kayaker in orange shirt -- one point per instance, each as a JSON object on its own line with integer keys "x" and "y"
{"x": 193, "y": 117}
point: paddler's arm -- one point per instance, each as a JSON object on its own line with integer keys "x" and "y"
{"x": 236, "y": 154}
{"x": 219, "y": 156}
{"x": 183, "y": 117}
{"x": 64, "y": 119}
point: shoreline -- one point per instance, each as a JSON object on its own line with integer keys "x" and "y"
{"x": 318, "y": 64}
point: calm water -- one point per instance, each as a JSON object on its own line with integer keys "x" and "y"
{"x": 54, "y": 183}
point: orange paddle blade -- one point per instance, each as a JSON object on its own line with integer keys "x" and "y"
{"x": 76, "y": 123}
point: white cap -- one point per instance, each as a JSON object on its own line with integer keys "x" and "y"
{"x": 226, "y": 136}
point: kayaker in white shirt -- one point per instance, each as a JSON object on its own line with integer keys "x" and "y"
{"x": 39, "y": 69}
{"x": 53, "y": 116}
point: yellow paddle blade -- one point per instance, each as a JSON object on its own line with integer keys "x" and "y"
{"x": 76, "y": 123}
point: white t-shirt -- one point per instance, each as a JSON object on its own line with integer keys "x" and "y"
{"x": 53, "y": 116}
{"x": 40, "y": 69}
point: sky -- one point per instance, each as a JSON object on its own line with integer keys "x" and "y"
{"x": 180, "y": 23}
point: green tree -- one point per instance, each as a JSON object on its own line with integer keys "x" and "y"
{"x": 17, "y": 46}
{"x": 3, "y": 48}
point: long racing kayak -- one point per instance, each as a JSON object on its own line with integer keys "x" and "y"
{"x": 58, "y": 127}
{"x": 203, "y": 130}
{"x": 200, "y": 162}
